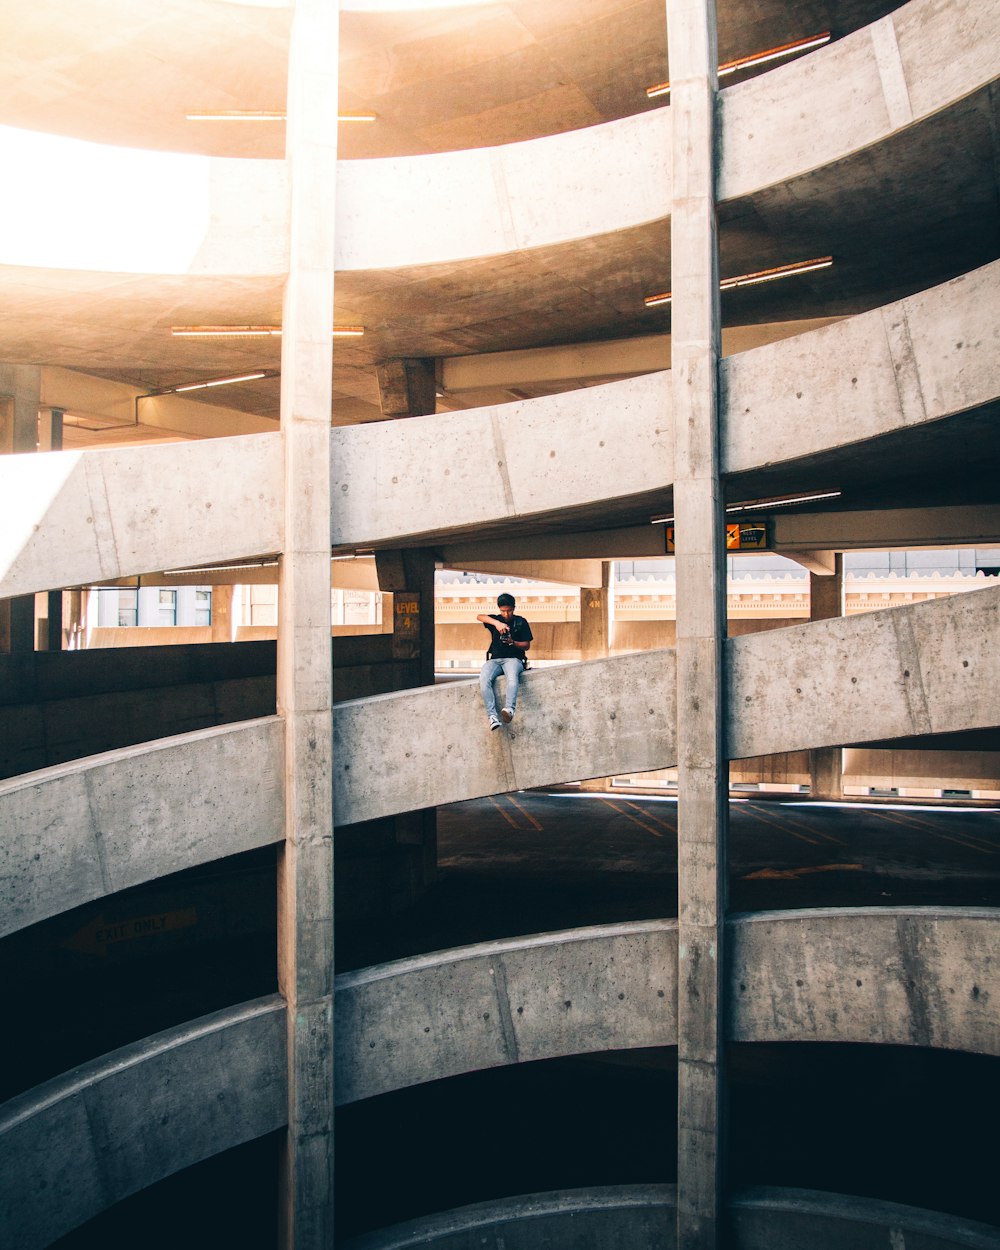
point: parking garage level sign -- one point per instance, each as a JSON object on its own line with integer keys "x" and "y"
{"x": 740, "y": 536}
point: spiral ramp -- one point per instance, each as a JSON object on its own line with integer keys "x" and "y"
{"x": 903, "y": 383}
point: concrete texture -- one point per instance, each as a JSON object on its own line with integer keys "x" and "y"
{"x": 79, "y": 831}
{"x": 499, "y": 463}
{"x": 606, "y": 988}
{"x": 80, "y": 1143}
{"x": 70, "y": 518}
{"x": 917, "y": 976}
{"x": 583, "y": 720}
{"x": 854, "y": 93}
{"x": 910, "y": 362}
{"x": 927, "y": 668}
{"x": 640, "y": 1217}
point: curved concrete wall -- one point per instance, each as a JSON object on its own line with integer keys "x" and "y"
{"x": 68, "y": 517}
{"x": 611, "y": 987}
{"x": 926, "y": 668}
{"x": 855, "y": 93}
{"x": 500, "y": 463}
{"x": 80, "y": 831}
{"x": 443, "y": 750}
{"x": 917, "y": 360}
{"x": 86, "y": 1140}
{"x": 909, "y": 976}
{"x": 441, "y": 208}
{"x": 641, "y": 1217}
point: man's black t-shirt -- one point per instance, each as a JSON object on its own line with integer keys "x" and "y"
{"x": 500, "y": 648}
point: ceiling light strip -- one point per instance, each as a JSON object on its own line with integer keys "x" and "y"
{"x": 755, "y": 58}
{"x": 754, "y": 279}
{"x": 764, "y": 505}
{"x": 252, "y": 332}
{"x": 265, "y": 115}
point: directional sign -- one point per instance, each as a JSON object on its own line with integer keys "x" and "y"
{"x": 740, "y": 536}
{"x": 98, "y": 935}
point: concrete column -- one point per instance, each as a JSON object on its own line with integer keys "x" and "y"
{"x": 701, "y": 623}
{"x": 826, "y": 598}
{"x": 305, "y": 860}
{"x": 222, "y": 613}
{"x": 20, "y": 391}
{"x": 407, "y": 388}
{"x": 595, "y": 617}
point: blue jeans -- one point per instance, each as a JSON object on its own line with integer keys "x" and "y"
{"x": 490, "y": 671}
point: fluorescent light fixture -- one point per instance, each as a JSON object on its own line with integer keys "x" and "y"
{"x": 222, "y": 568}
{"x": 755, "y": 58}
{"x": 763, "y": 505}
{"x": 265, "y": 115}
{"x": 200, "y": 386}
{"x": 754, "y": 279}
{"x": 252, "y": 332}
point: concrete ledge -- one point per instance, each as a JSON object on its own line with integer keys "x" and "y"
{"x": 594, "y": 719}
{"x": 612, "y": 987}
{"x": 855, "y": 93}
{"x": 910, "y": 976}
{"x": 500, "y": 463}
{"x": 82, "y": 1142}
{"x": 911, "y": 362}
{"x": 78, "y": 831}
{"x": 928, "y": 668}
{"x": 641, "y": 1217}
{"x": 68, "y": 518}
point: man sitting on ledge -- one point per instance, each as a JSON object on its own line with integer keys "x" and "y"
{"x": 510, "y": 638}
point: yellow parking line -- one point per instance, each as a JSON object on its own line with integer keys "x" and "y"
{"x": 766, "y": 820}
{"x": 524, "y": 812}
{"x": 634, "y": 819}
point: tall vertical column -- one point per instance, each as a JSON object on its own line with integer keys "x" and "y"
{"x": 305, "y": 862}
{"x": 826, "y": 599}
{"x": 20, "y": 393}
{"x": 701, "y": 625}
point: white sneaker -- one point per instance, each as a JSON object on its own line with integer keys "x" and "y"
{"x": 507, "y": 715}
{"x": 494, "y": 723}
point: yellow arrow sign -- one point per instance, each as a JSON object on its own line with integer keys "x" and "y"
{"x": 99, "y": 934}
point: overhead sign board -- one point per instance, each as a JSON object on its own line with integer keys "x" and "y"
{"x": 740, "y": 536}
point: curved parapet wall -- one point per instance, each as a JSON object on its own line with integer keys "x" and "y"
{"x": 925, "y": 668}
{"x": 612, "y": 987}
{"x": 79, "y": 831}
{"x": 70, "y": 517}
{"x": 854, "y": 93}
{"x": 917, "y": 360}
{"x": 79, "y": 1144}
{"x": 486, "y": 462}
{"x": 641, "y": 1217}
{"x": 627, "y": 705}
{"x": 909, "y": 976}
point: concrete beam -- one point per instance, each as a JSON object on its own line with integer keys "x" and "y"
{"x": 74, "y": 518}
{"x": 583, "y": 720}
{"x": 611, "y": 987}
{"x": 632, "y": 543}
{"x": 810, "y": 535}
{"x": 75, "y": 1146}
{"x": 567, "y": 572}
{"x": 924, "y": 668}
{"x": 80, "y": 831}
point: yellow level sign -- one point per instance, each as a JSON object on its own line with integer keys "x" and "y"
{"x": 740, "y": 536}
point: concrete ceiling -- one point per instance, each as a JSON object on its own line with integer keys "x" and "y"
{"x": 917, "y": 211}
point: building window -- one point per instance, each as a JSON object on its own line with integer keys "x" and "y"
{"x": 203, "y": 607}
{"x": 167, "y": 614}
{"x": 128, "y": 607}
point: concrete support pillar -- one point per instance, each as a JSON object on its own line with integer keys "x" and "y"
{"x": 50, "y": 438}
{"x": 595, "y": 617}
{"x": 222, "y": 613}
{"x": 20, "y": 390}
{"x": 407, "y": 388}
{"x": 305, "y": 860}
{"x": 701, "y": 624}
{"x": 826, "y": 598}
